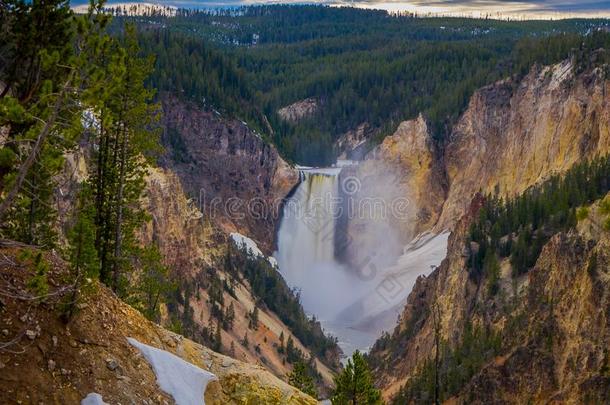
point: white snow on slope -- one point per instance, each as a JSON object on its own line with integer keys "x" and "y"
{"x": 182, "y": 380}
{"x": 93, "y": 399}
{"x": 241, "y": 240}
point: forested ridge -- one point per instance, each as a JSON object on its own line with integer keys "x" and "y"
{"x": 360, "y": 66}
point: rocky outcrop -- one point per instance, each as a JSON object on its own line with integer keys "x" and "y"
{"x": 354, "y": 144}
{"x": 399, "y": 192}
{"x": 299, "y": 110}
{"x": 516, "y": 133}
{"x": 238, "y": 179}
{"x": 48, "y": 361}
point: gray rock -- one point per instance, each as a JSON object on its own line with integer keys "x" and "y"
{"x": 112, "y": 364}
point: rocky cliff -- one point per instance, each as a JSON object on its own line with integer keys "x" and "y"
{"x": 237, "y": 178}
{"x": 398, "y": 192}
{"x": 514, "y": 134}
{"x": 552, "y": 324}
{"x": 44, "y": 360}
{"x": 299, "y": 110}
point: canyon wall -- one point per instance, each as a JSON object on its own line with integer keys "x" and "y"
{"x": 553, "y": 322}
{"x": 237, "y": 178}
{"x": 514, "y": 134}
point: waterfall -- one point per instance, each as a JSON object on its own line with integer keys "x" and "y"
{"x": 352, "y": 307}
{"x": 305, "y": 255}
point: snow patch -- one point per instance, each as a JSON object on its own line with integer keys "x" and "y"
{"x": 182, "y": 380}
{"x": 93, "y": 399}
{"x": 241, "y": 241}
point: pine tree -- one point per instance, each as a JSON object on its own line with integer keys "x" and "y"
{"x": 290, "y": 350}
{"x": 44, "y": 72}
{"x": 153, "y": 283}
{"x": 82, "y": 254}
{"x": 253, "y": 321}
{"x": 301, "y": 379}
{"x": 281, "y": 349}
{"x": 229, "y": 317}
{"x": 354, "y": 386}
{"x": 217, "y": 341}
{"x": 125, "y": 140}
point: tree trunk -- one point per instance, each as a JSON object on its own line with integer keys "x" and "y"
{"x": 119, "y": 218}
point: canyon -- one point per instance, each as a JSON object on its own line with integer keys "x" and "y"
{"x": 357, "y": 275}
{"x": 439, "y": 181}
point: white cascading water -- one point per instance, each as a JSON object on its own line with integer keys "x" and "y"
{"x": 306, "y": 255}
{"x": 354, "y": 309}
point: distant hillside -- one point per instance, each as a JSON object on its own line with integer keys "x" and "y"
{"x": 362, "y": 67}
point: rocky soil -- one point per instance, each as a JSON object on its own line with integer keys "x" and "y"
{"x": 44, "y": 360}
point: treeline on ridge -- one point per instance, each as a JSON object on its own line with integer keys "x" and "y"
{"x": 362, "y": 67}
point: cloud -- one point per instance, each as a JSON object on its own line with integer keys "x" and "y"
{"x": 522, "y": 8}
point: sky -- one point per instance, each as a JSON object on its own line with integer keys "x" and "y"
{"x": 476, "y": 8}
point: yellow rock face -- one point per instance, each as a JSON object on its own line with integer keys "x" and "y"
{"x": 514, "y": 135}
{"x": 405, "y": 167}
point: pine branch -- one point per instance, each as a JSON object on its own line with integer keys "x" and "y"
{"x": 25, "y": 167}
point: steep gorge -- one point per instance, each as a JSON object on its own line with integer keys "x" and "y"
{"x": 514, "y": 134}
{"x": 193, "y": 247}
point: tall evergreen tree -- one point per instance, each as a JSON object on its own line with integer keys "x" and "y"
{"x": 354, "y": 386}
{"x": 300, "y": 378}
{"x": 125, "y": 140}
{"x": 84, "y": 265}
